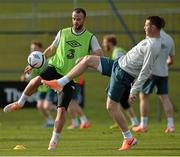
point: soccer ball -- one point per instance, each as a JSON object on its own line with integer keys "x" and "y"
{"x": 36, "y": 59}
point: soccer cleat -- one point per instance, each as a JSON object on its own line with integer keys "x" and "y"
{"x": 170, "y": 130}
{"x": 72, "y": 127}
{"x": 53, "y": 84}
{"x": 12, "y": 107}
{"x": 48, "y": 125}
{"x": 139, "y": 129}
{"x": 132, "y": 126}
{"x": 85, "y": 125}
{"x": 128, "y": 143}
{"x": 52, "y": 145}
{"x": 114, "y": 126}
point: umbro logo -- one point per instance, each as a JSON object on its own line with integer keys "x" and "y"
{"x": 73, "y": 43}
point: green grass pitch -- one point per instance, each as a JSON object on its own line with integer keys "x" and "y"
{"x": 24, "y": 127}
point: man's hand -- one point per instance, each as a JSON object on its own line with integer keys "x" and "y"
{"x": 28, "y": 69}
{"x": 170, "y": 60}
{"x": 132, "y": 98}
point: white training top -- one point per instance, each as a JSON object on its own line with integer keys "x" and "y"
{"x": 93, "y": 46}
{"x": 139, "y": 60}
{"x": 160, "y": 67}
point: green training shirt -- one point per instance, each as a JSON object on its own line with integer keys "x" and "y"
{"x": 71, "y": 47}
{"x": 118, "y": 52}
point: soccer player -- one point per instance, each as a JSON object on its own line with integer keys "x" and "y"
{"x": 137, "y": 63}
{"x": 110, "y": 44}
{"x": 159, "y": 79}
{"x": 69, "y": 45}
{"x": 45, "y": 96}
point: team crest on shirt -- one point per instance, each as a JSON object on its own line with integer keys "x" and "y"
{"x": 73, "y": 43}
{"x": 70, "y": 54}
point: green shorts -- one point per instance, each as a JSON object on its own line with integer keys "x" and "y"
{"x": 161, "y": 83}
{"x": 120, "y": 84}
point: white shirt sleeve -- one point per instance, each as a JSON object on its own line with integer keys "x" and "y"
{"x": 56, "y": 40}
{"x": 172, "y": 53}
{"x": 94, "y": 44}
{"x": 145, "y": 72}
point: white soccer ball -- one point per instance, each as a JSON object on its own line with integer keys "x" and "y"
{"x": 36, "y": 59}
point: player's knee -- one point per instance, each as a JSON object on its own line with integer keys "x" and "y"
{"x": 40, "y": 105}
{"x": 110, "y": 107}
{"x": 61, "y": 112}
{"x": 46, "y": 105}
{"x": 36, "y": 81}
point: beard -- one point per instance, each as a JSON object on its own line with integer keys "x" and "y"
{"x": 78, "y": 28}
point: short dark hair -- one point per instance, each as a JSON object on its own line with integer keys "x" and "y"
{"x": 111, "y": 38}
{"x": 80, "y": 10}
{"x": 157, "y": 21}
{"x": 37, "y": 43}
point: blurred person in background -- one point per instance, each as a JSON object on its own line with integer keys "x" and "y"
{"x": 45, "y": 96}
{"x": 69, "y": 45}
{"x": 158, "y": 79}
{"x": 78, "y": 118}
{"x": 137, "y": 63}
{"x": 110, "y": 45}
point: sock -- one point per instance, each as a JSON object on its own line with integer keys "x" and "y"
{"x": 144, "y": 121}
{"x": 75, "y": 122}
{"x": 83, "y": 119}
{"x": 63, "y": 81}
{"x": 127, "y": 134}
{"x": 99, "y": 68}
{"x": 50, "y": 120}
{"x": 22, "y": 99}
{"x": 170, "y": 122}
{"x": 55, "y": 137}
{"x": 134, "y": 121}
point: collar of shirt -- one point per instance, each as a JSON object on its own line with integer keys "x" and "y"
{"x": 77, "y": 33}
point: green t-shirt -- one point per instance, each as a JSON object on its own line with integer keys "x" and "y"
{"x": 117, "y": 52}
{"x": 71, "y": 47}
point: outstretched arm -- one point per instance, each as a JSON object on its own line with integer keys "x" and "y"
{"x": 49, "y": 51}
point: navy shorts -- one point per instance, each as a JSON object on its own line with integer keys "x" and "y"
{"x": 50, "y": 96}
{"x": 120, "y": 81}
{"x": 40, "y": 95}
{"x": 77, "y": 93}
{"x": 161, "y": 84}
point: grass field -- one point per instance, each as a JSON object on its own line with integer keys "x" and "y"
{"x": 25, "y": 128}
